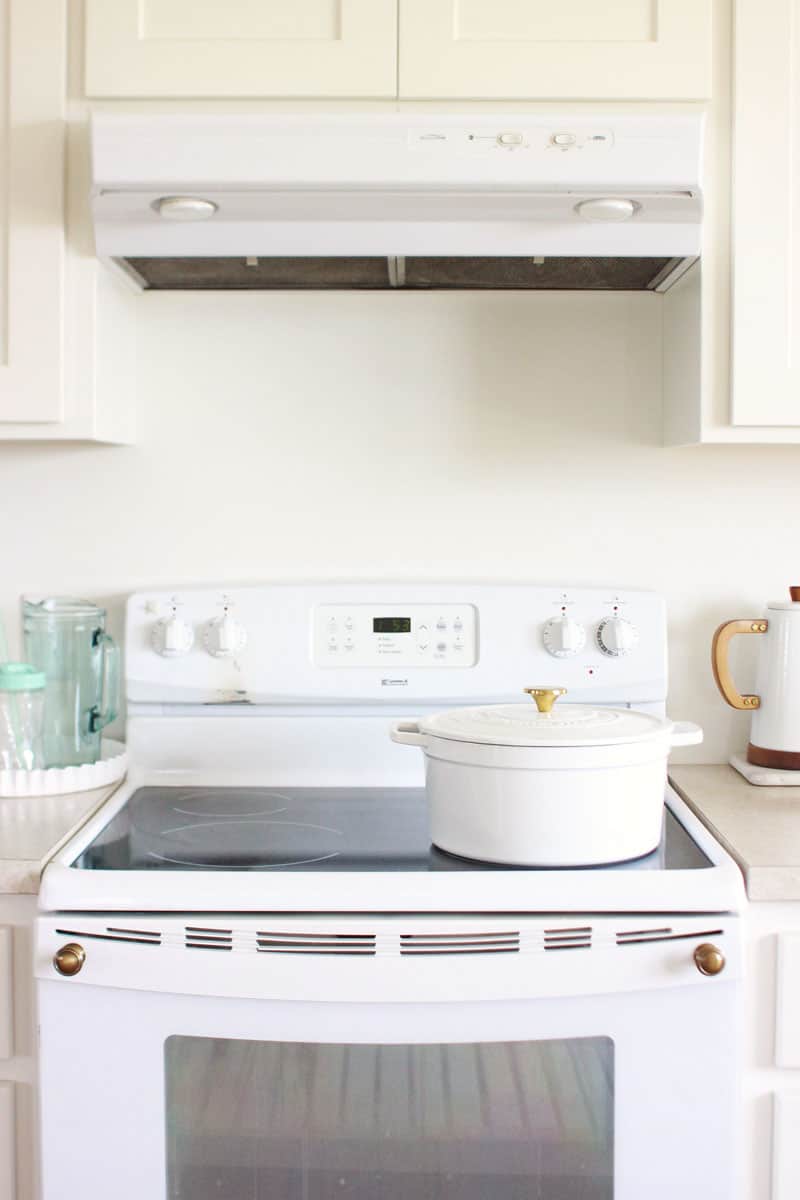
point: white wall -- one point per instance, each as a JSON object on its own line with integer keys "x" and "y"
{"x": 397, "y": 435}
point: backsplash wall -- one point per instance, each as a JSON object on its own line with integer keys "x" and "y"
{"x": 443, "y": 435}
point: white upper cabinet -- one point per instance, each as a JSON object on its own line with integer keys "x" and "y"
{"x": 555, "y": 49}
{"x": 241, "y": 48}
{"x": 66, "y": 353}
{"x": 766, "y": 214}
{"x": 32, "y": 90}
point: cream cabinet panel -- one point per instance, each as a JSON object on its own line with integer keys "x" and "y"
{"x": 786, "y": 1147}
{"x": 787, "y": 1001}
{"x": 32, "y": 89}
{"x": 766, "y": 214}
{"x": 8, "y": 1148}
{"x": 241, "y": 48}
{"x": 6, "y": 993}
{"x": 572, "y": 49}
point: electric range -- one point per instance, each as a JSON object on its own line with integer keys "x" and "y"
{"x": 262, "y": 774}
{"x": 257, "y": 977}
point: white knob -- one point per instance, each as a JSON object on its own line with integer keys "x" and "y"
{"x": 606, "y": 208}
{"x": 564, "y": 636}
{"x": 184, "y": 208}
{"x": 616, "y": 636}
{"x": 224, "y": 636}
{"x": 172, "y": 637}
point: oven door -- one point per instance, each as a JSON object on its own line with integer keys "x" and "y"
{"x": 263, "y": 1058}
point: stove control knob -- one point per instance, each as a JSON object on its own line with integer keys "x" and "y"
{"x": 563, "y": 637}
{"x": 171, "y": 637}
{"x": 616, "y": 636}
{"x": 224, "y": 636}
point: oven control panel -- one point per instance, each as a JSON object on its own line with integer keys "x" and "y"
{"x": 395, "y": 635}
{"x": 393, "y": 642}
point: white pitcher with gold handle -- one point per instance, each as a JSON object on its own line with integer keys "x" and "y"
{"x": 775, "y": 726}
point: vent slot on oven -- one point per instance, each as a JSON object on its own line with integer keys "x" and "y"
{"x": 636, "y": 937}
{"x": 117, "y": 933}
{"x": 200, "y": 937}
{"x": 578, "y": 937}
{"x": 485, "y": 942}
{"x": 270, "y": 941}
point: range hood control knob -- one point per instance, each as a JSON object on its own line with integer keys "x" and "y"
{"x": 616, "y": 636}
{"x": 184, "y": 208}
{"x": 171, "y": 637}
{"x": 510, "y": 139}
{"x": 563, "y": 637}
{"x": 607, "y": 208}
{"x": 224, "y": 636}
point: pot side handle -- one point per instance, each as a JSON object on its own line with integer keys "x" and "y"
{"x": 719, "y": 661}
{"x": 406, "y": 733}
{"x": 685, "y": 733}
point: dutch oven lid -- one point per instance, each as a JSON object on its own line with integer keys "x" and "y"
{"x": 524, "y": 725}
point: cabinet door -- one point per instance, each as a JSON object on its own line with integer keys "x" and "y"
{"x": 31, "y": 209}
{"x": 568, "y": 49}
{"x": 6, "y": 993}
{"x": 8, "y": 1150}
{"x": 241, "y": 48}
{"x": 766, "y": 215}
{"x": 786, "y": 1147}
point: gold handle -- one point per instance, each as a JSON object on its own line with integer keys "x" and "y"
{"x": 719, "y": 661}
{"x": 709, "y": 959}
{"x": 69, "y": 959}
{"x": 545, "y": 697}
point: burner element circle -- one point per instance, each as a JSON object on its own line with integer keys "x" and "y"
{"x": 245, "y": 844}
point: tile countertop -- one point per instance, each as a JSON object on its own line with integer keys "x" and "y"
{"x": 758, "y": 826}
{"x": 31, "y": 827}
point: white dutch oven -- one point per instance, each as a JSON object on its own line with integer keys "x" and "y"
{"x": 577, "y": 786}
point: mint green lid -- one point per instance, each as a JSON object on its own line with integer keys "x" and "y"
{"x": 20, "y": 677}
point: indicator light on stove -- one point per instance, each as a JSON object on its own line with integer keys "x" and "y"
{"x": 563, "y": 636}
{"x": 616, "y": 636}
{"x": 224, "y": 636}
{"x": 171, "y": 637}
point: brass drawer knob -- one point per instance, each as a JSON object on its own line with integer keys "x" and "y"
{"x": 709, "y": 959}
{"x": 69, "y": 959}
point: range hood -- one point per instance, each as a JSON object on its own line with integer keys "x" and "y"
{"x": 414, "y": 201}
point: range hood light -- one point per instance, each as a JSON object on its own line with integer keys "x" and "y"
{"x": 607, "y": 208}
{"x": 184, "y": 208}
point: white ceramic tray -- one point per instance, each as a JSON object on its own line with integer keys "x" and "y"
{"x": 56, "y": 781}
{"x": 764, "y": 776}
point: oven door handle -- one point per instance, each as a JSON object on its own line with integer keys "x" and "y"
{"x": 407, "y": 733}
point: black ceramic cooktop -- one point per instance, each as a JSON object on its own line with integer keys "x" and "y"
{"x": 304, "y": 829}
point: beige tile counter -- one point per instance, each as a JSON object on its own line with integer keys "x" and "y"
{"x": 758, "y": 826}
{"x": 30, "y": 829}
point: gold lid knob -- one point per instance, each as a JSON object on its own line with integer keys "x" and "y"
{"x": 69, "y": 959}
{"x": 545, "y": 697}
{"x": 709, "y": 959}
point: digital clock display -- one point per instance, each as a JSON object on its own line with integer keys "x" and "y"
{"x": 391, "y": 624}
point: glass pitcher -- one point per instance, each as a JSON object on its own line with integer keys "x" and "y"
{"x": 67, "y": 640}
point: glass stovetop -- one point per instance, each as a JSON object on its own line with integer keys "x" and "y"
{"x": 304, "y": 829}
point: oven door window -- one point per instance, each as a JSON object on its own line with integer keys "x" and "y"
{"x": 310, "y": 1121}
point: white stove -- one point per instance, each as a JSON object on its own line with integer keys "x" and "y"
{"x": 264, "y": 885}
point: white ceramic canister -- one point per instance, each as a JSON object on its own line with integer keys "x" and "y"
{"x": 565, "y": 787}
{"x": 775, "y": 724}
